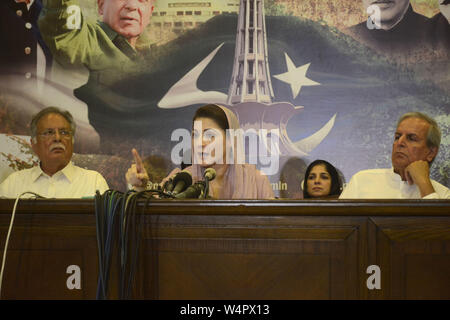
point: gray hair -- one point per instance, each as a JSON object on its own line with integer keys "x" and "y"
{"x": 38, "y": 116}
{"x": 434, "y": 133}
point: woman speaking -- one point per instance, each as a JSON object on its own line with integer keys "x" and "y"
{"x": 233, "y": 180}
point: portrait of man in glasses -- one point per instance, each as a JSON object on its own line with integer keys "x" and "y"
{"x": 107, "y": 48}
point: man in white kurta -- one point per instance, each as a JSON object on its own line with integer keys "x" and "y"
{"x": 70, "y": 182}
{"x": 416, "y": 144}
{"x": 52, "y": 132}
{"x": 386, "y": 184}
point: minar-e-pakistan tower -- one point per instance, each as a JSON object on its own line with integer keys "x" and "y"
{"x": 250, "y": 81}
{"x": 250, "y": 93}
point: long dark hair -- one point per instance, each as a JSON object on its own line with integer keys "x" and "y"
{"x": 336, "y": 184}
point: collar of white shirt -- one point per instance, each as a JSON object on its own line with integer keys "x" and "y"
{"x": 68, "y": 172}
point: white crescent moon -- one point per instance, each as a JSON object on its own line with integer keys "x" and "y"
{"x": 308, "y": 144}
{"x": 185, "y": 92}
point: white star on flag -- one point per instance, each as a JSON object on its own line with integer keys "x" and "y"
{"x": 296, "y": 76}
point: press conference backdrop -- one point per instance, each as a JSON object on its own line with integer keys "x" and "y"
{"x": 337, "y": 90}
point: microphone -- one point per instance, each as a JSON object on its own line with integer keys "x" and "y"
{"x": 209, "y": 174}
{"x": 192, "y": 192}
{"x": 181, "y": 181}
{"x": 168, "y": 185}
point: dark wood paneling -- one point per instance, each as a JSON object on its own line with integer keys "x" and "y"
{"x": 41, "y": 248}
{"x": 272, "y": 268}
{"x": 414, "y": 257}
{"x": 239, "y": 249}
{"x": 193, "y": 246}
{"x": 41, "y": 274}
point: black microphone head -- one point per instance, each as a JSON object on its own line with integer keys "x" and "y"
{"x": 192, "y": 192}
{"x": 210, "y": 174}
{"x": 181, "y": 181}
{"x": 168, "y": 185}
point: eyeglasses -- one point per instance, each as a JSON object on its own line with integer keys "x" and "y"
{"x": 50, "y": 133}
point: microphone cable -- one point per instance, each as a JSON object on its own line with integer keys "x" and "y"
{"x": 119, "y": 234}
{"x": 11, "y": 223}
{"x": 105, "y": 211}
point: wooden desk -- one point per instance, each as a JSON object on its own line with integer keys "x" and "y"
{"x": 239, "y": 249}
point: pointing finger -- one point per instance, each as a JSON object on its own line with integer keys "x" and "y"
{"x": 138, "y": 161}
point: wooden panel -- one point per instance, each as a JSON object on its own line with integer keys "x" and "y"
{"x": 414, "y": 257}
{"x": 427, "y": 276}
{"x": 32, "y": 274}
{"x": 244, "y": 276}
{"x": 253, "y": 258}
{"x": 41, "y": 248}
{"x": 239, "y": 249}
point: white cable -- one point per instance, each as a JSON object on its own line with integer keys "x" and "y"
{"x": 9, "y": 233}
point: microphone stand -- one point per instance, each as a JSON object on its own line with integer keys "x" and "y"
{"x": 208, "y": 175}
{"x": 205, "y": 193}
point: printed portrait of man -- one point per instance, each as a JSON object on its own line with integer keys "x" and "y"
{"x": 107, "y": 48}
{"x": 392, "y": 29}
{"x": 440, "y": 29}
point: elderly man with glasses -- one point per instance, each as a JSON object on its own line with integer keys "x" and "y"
{"x": 52, "y": 138}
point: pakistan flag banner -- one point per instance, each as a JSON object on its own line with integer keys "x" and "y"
{"x": 307, "y": 80}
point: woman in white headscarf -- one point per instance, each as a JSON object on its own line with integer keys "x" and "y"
{"x": 233, "y": 180}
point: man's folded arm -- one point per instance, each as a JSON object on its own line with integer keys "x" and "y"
{"x": 440, "y": 193}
